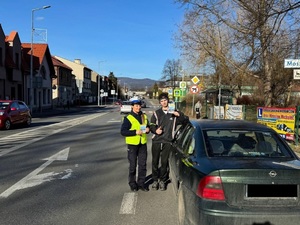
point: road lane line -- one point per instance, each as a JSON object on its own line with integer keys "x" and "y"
{"x": 128, "y": 205}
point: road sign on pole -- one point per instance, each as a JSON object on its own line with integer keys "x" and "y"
{"x": 194, "y": 89}
{"x": 177, "y": 93}
{"x": 296, "y": 74}
{"x": 195, "y": 80}
{"x": 182, "y": 84}
{"x": 292, "y": 63}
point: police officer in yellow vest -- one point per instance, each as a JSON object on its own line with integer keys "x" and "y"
{"x": 135, "y": 128}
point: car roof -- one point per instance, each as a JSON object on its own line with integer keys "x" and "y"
{"x": 229, "y": 124}
{"x": 126, "y": 102}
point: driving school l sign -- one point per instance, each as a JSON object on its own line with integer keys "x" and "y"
{"x": 282, "y": 120}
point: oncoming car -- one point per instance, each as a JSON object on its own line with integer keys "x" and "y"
{"x": 234, "y": 172}
{"x": 143, "y": 104}
{"x": 14, "y": 112}
{"x": 125, "y": 107}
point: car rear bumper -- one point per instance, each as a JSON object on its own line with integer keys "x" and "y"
{"x": 211, "y": 218}
{"x": 214, "y": 212}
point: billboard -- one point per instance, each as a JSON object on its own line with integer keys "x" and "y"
{"x": 282, "y": 120}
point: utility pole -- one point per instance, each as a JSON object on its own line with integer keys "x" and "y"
{"x": 31, "y": 56}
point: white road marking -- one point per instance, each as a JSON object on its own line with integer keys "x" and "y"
{"x": 33, "y": 178}
{"x": 16, "y": 141}
{"x": 114, "y": 121}
{"x": 129, "y": 201}
{"x": 68, "y": 175}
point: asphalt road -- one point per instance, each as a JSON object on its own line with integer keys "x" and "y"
{"x": 72, "y": 169}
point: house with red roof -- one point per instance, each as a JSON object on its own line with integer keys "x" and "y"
{"x": 2, "y": 64}
{"x": 11, "y": 74}
{"x": 43, "y": 73}
{"x": 55, "y": 81}
{"x": 15, "y": 78}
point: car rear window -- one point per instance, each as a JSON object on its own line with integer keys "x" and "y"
{"x": 243, "y": 143}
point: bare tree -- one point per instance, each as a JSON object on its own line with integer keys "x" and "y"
{"x": 253, "y": 30}
{"x": 171, "y": 71}
{"x": 113, "y": 81}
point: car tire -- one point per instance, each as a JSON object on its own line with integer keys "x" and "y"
{"x": 181, "y": 206}
{"x": 28, "y": 122}
{"x": 7, "y": 124}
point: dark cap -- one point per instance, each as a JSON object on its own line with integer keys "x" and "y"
{"x": 163, "y": 95}
{"x": 136, "y": 101}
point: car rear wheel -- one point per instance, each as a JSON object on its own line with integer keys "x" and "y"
{"x": 7, "y": 124}
{"x": 28, "y": 121}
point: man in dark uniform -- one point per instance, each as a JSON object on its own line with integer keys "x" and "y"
{"x": 163, "y": 125}
{"x": 135, "y": 128}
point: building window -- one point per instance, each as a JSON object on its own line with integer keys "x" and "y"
{"x": 1, "y": 58}
{"x": 44, "y": 96}
{"x": 49, "y": 94}
{"x": 17, "y": 61}
{"x": 43, "y": 72}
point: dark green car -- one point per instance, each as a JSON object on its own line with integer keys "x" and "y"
{"x": 234, "y": 172}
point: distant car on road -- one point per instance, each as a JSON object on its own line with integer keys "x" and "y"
{"x": 14, "y": 112}
{"x": 125, "y": 107}
{"x": 234, "y": 172}
{"x": 143, "y": 105}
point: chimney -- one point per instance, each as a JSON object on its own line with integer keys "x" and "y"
{"x": 78, "y": 61}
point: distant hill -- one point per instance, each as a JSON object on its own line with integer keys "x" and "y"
{"x": 136, "y": 84}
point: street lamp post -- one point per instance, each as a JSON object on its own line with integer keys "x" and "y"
{"x": 117, "y": 94}
{"x": 31, "y": 55}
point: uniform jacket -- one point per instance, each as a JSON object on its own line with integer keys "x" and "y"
{"x": 130, "y": 124}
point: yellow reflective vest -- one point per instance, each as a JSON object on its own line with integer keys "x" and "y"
{"x": 135, "y": 125}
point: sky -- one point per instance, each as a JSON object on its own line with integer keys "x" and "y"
{"x": 131, "y": 38}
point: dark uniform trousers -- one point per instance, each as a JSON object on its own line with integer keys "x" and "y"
{"x": 162, "y": 151}
{"x": 137, "y": 155}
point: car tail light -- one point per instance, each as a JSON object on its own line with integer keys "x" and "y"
{"x": 210, "y": 187}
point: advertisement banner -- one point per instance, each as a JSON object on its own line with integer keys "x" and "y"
{"x": 234, "y": 112}
{"x": 282, "y": 120}
{"x": 218, "y": 112}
